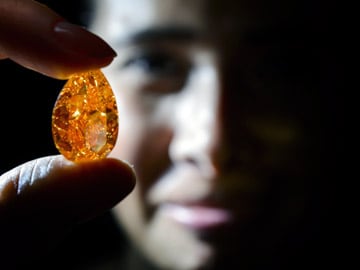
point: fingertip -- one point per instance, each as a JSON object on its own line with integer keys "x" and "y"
{"x": 78, "y": 40}
{"x": 79, "y": 50}
{"x": 117, "y": 172}
{"x": 64, "y": 70}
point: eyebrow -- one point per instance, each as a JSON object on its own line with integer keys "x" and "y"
{"x": 168, "y": 33}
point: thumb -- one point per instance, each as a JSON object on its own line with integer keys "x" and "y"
{"x": 41, "y": 199}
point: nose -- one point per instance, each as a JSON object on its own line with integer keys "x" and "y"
{"x": 197, "y": 125}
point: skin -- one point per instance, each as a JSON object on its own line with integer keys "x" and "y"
{"x": 219, "y": 116}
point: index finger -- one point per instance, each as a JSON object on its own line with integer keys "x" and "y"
{"x": 37, "y": 38}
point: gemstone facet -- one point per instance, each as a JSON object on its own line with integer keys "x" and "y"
{"x": 85, "y": 118}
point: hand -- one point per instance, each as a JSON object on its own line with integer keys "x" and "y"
{"x": 37, "y": 38}
{"x": 42, "y": 199}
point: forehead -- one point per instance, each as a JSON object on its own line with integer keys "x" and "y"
{"x": 220, "y": 20}
{"x": 124, "y": 16}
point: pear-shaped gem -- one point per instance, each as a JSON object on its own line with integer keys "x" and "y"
{"x": 85, "y": 117}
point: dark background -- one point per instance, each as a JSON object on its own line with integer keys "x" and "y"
{"x": 27, "y": 99}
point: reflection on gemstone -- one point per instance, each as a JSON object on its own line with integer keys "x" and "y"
{"x": 85, "y": 118}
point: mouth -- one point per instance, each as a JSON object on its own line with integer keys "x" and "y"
{"x": 197, "y": 216}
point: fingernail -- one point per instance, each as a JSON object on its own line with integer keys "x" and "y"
{"x": 77, "y": 40}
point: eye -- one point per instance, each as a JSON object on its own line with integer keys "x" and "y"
{"x": 157, "y": 64}
{"x": 157, "y": 72}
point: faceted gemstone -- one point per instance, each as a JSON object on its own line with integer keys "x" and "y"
{"x": 85, "y": 117}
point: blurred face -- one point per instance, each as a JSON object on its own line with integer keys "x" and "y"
{"x": 215, "y": 100}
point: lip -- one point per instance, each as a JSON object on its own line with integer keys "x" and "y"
{"x": 197, "y": 216}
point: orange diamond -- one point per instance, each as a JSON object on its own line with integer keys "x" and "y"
{"x": 85, "y": 117}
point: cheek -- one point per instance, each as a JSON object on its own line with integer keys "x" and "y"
{"x": 131, "y": 129}
{"x": 139, "y": 127}
{"x": 143, "y": 138}
{"x": 132, "y": 119}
